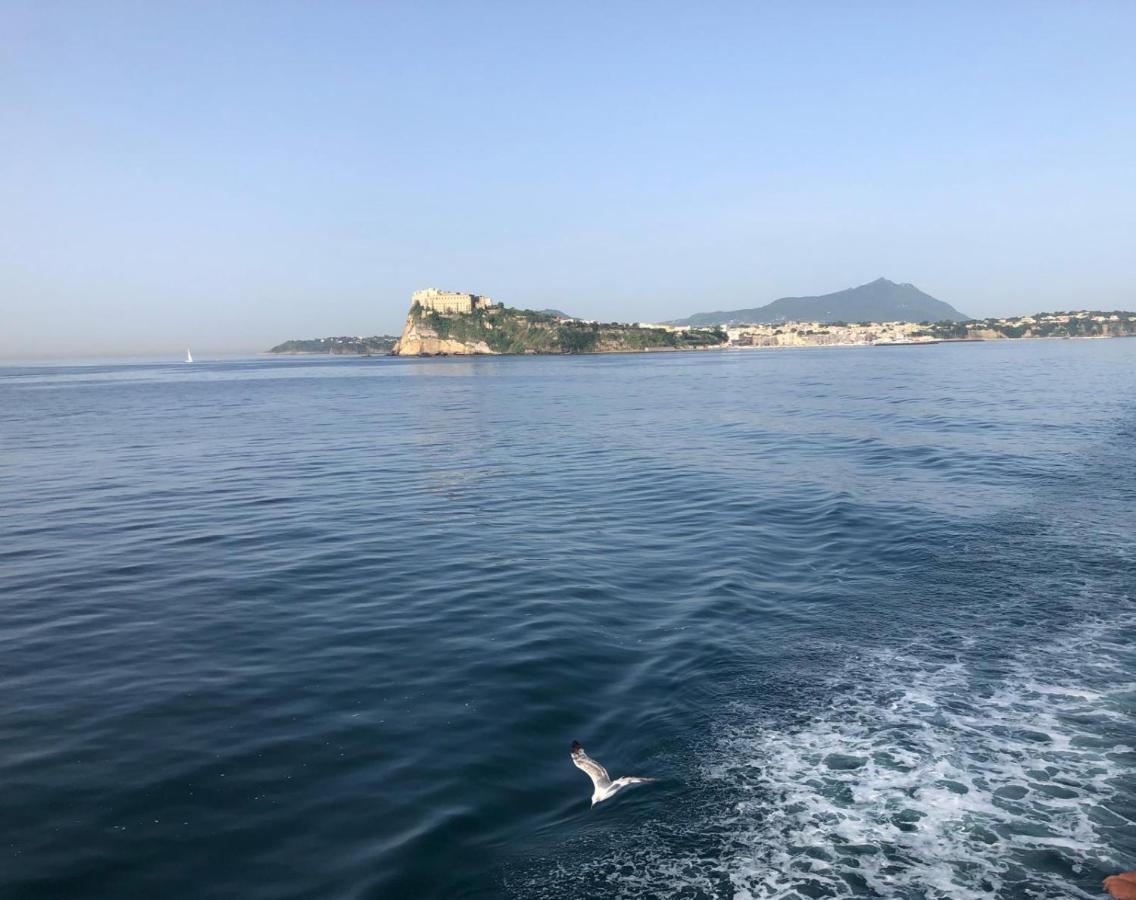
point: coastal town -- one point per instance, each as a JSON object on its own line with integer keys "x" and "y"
{"x": 1042, "y": 325}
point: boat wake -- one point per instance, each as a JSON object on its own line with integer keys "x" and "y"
{"x": 918, "y": 774}
{"x": 938, "y": 780}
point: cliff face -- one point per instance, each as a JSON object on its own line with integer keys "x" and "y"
{"x": 420, "y": 339}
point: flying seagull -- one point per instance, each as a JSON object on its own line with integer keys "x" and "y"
{"x": 605, "y": 787}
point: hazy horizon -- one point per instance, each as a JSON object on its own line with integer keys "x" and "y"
{"x": 229, "y": 177}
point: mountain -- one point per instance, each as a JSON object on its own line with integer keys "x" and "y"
{"x": 878, "y": 301}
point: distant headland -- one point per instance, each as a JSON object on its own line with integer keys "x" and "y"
{"x": 379, "y": 344}
{"x": 453, "y": 323}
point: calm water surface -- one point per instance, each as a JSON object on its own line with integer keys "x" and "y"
{"x": 326, "y": 627}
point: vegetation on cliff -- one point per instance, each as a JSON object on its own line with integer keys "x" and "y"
{"x": 507, "y": 330}
{"x": 361, "y": 346}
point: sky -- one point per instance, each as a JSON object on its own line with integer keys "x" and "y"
{"x": 230, "y": 175}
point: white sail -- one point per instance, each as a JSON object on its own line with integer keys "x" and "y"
{"x": 188, "y": 355}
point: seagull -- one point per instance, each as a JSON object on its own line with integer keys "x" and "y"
{"x": 605, "y": 787}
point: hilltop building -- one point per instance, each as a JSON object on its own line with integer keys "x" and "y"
{"x": 449, "y": 301}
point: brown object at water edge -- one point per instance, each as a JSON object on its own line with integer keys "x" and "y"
{"x": 1122, "y": 886}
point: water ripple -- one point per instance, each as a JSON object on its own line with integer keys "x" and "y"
{"x": 326, "y": 627}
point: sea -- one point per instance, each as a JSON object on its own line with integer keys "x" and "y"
{"x": 325, "y": 627}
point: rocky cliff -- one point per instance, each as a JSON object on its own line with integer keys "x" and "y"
{"x": 500, "y": 329}
{"x": 420, "y": 338}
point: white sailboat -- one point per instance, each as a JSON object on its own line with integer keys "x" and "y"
{"x": 188, "y": 355}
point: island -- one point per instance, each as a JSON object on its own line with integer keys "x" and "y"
{"x": 881, "y": 300}
{"x": 453, "y": 323}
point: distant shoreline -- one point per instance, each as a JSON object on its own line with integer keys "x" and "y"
{"x": 720, "y": 347}
{"x": 442, "y": 323}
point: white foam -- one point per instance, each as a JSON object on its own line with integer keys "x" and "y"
{"x": 923, "y": 781}
{"x": 911, "y": 778}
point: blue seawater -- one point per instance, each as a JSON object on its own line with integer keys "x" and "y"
{"x": 326, "y": 627}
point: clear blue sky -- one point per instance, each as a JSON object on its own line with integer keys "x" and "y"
{"x": 228, "y": 175}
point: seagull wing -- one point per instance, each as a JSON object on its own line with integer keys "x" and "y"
{"x": 629, "y": 779}
{"x": 593, "y": 769}
{"x": 620, "y": 783}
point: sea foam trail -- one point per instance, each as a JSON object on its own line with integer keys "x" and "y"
{"x": 912, "y": 776}
{"x": 930, "y": 780}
